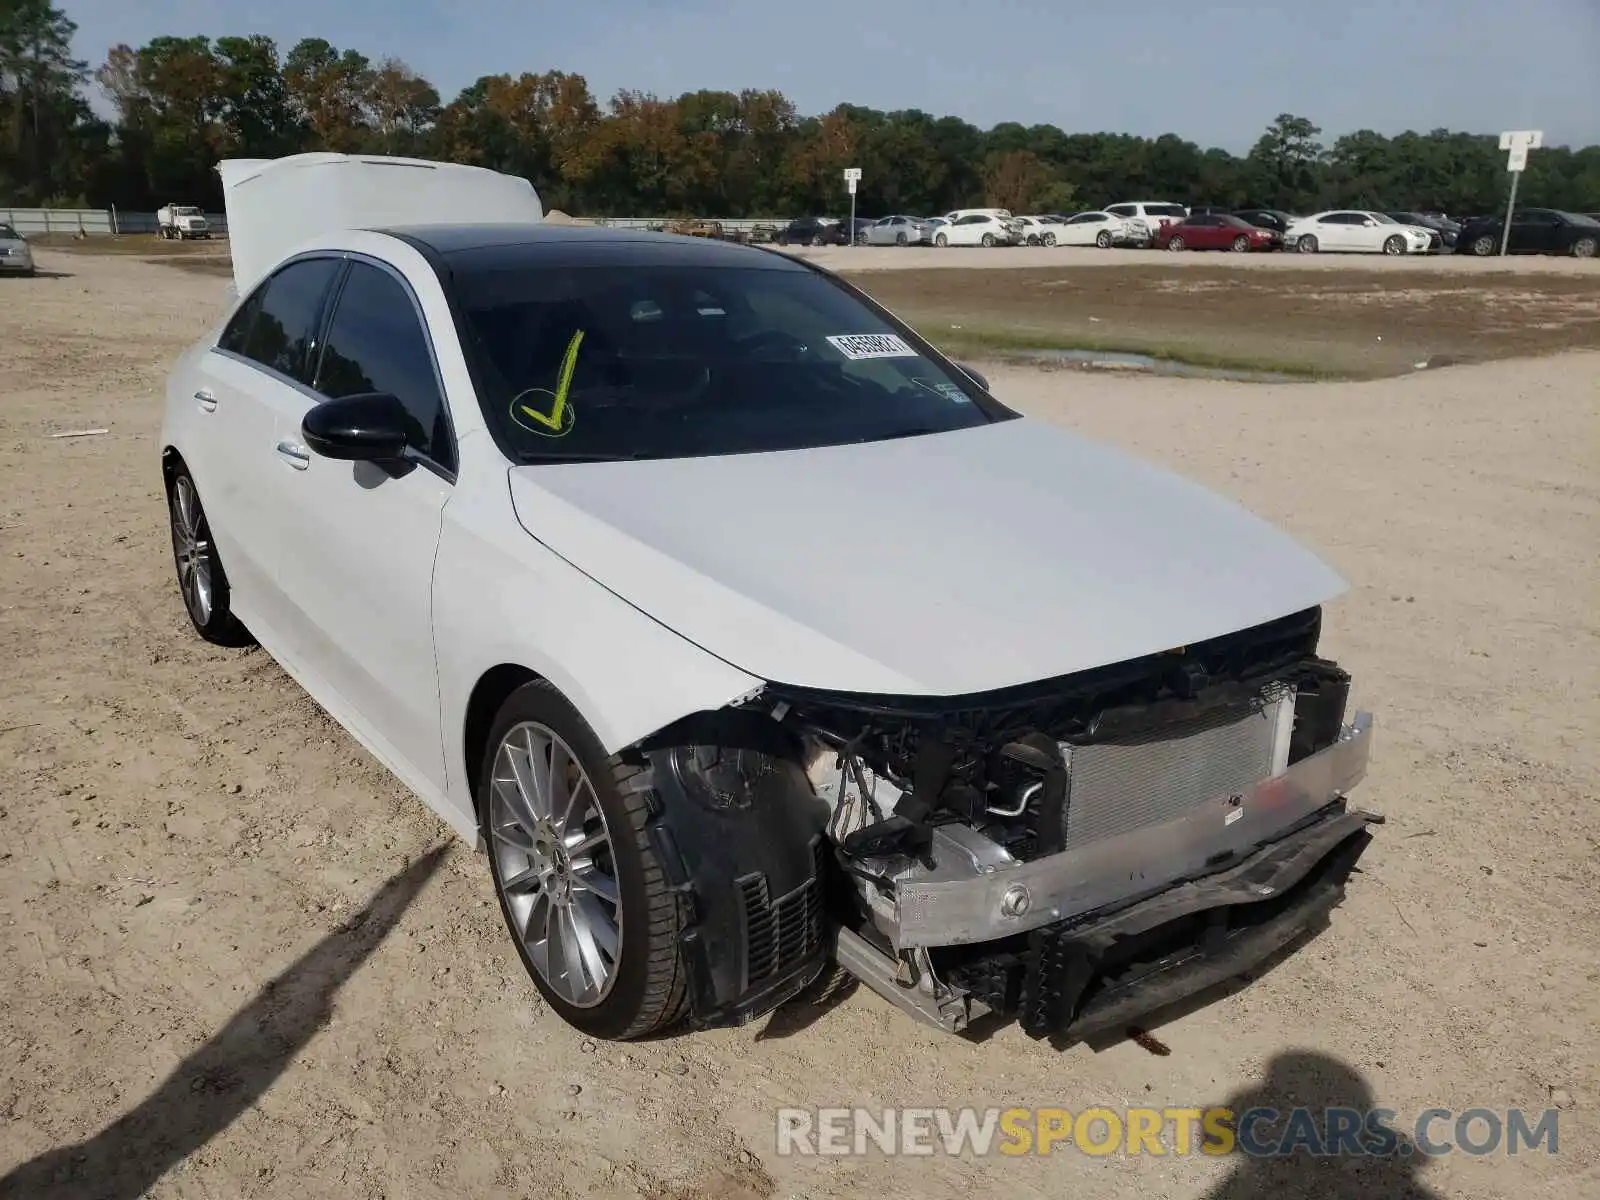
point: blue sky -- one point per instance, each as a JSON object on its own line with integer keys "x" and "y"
{"x": 1214, "y": 73}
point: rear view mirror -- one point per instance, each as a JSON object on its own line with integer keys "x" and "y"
{"x": 366, "y": 427}
{"x": 975, "y": 375}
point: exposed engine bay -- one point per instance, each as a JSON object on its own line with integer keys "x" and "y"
{"x": 1072, "y": 850}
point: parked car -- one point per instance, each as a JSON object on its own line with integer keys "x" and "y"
{"x": 860, "y": 226}
{"x": 16, "y": 256}
{"x": 1533, "y": 231}
{"x": 813, "y": 231}
{"x": 1356, "y": 231}
{"x": 899, "y": 230}
{"x": 1217, "y": 232}
{"x": 1443, "y": 226}
{"x": 1151, "y": 215}
{"x": 477, "y": 503}
{"x": 1101, "y": 229}
{"x": 1267, "y": 218}
{"x": 976, "y": 229}
{"x": 1037, "y": 230}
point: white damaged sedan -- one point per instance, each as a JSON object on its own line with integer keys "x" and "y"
{"x": 755, "y": 641}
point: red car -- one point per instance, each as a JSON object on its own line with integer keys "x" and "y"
{"x": 1217, "y": 231}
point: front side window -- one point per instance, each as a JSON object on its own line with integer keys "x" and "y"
{"x": 683, "y": 361}
{"x": 283, "y": 316}
{"x": 376, "y": 343}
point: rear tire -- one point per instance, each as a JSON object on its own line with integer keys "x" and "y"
{"x": 1177, "y": 245}
{"x": 817, "y": 241}
{"x": 1103, "y": 240}
{"x": 899, "y": 239}
{"x": 202, "y": 582}
{"x": 645, "y": 988}
{"x": 988, "y": 239}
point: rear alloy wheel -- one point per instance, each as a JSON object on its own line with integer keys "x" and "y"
{"x": 1031, "y": 240}
{"x": 201, "y": 579}
{"x": 1177, "y": 245}
{"x": 582, "y": 891}
{"x": 1584, "y": 247}
{"x": 1103, "y": 239}
{"x": 1483, "y": 247}
{"x": 899, "y": 239}
{"x": 1394, "y": 245}
{"x": 1307, "y": 244}
{"x": 941, "y": 240}
{"x": 1241, "y": 244}
{"x": 988, "y": 239}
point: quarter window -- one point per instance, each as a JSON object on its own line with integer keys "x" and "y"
{"x": 376, "y": 343}
{"x": 277, "y": 327}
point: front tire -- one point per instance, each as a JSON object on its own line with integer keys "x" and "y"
{"x": 1241, "y": 244}
{"x": 201, "y": 580}
{"x": 1307, "y": 244}
{"x": 899, "y": 239}
{"x": 580, "y": 885}
{"x": 941, "y": 241}
{"x": 1394, "y": 245}
{"x": 1584, "y": 247}
{"x": 1177, "y": 245}
{"x": 1483, "y": 246}
{"x": 817, "y": 241}
{"x": 1049, "y": 239}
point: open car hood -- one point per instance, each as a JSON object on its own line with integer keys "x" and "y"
{"x": 939, "y": 565}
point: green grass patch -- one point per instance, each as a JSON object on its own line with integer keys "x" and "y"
{"x": 1015, "y": 345}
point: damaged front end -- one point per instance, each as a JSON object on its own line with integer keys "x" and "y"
{"x": 1072, "y": 852}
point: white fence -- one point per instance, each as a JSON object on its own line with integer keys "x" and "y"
{"x": 109, "y": 220}
{"x": 90, "y": 221}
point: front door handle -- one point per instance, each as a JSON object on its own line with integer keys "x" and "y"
{"x": 296, "y": 455}
{"x": 207, "y": 401}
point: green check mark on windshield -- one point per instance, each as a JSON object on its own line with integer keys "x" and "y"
{"x": 553, "y": 419}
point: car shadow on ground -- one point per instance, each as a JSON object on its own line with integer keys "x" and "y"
{"x": 41, "y": 273}
{"x": 224, "y": 1077}
{"x": 1305, "y": 1079}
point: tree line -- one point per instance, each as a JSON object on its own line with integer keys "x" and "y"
{"x": 182, "y": 103}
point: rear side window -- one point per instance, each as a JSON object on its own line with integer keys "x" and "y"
{"x": 1122, "y": 210}
{"x": 286, "y": 312}
{"x": 376, "y": 343}
{"x": 1165, "y": 210}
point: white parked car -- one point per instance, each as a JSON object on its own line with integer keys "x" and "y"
{"x": 1037, "y": 231}
{"x": 665, "y": 570}
{"x": 1356, "y": 231}
{"x": 899, "y": 230}
{"x": 16, "y": 256}
{"x": 1148, "y": 216}
{"x": 1103, "y": 229}
{"x": 977, "y": 229}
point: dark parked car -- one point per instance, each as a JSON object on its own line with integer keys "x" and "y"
{"x": 1217, "y": 232}
{"x": 1266, "y": 218}
{"x": 1533, "y": 231}
{"x": 1209, "y": 210}
{"x": 1443, "y": 226}
{"x": 813, "y": 231}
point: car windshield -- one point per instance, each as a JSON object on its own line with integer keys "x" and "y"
{"x": 683, "y": 361}
{"x": 9, "y": 234}
{"x": 1382, "y": 218}
{"x": 1580, "y": 219}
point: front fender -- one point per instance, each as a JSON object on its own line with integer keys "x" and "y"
{"x": 501, "y": 597}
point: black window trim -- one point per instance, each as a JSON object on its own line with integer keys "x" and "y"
{"x": 332, "y": 306}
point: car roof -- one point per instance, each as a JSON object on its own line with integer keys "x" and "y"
{"x": 584, "y": 245}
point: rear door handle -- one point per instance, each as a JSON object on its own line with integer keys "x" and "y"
{"x": 207, "y": 401}
{"x": 296, "y": 455}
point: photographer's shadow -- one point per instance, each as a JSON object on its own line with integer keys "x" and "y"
{"x": 1306, "y": 1080}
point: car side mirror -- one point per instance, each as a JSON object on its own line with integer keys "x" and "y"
{"x": 365, "y": 427}
{"x": 976, "y": 376}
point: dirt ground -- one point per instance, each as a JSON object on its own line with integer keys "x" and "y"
{"x": 239, "y": 960}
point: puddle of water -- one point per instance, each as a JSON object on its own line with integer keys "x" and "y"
{"x": 1110, "y": 360}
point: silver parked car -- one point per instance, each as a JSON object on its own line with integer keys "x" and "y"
{"x": 16, "y": 256}
{"x": 899, "y": 230}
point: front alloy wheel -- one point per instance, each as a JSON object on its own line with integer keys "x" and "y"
{"x": 554, "y": 864}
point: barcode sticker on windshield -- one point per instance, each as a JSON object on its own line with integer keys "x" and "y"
{"x": 856, "y": 346}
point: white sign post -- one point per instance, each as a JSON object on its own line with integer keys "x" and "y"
{"x": 852, "y": 176}
{"x": 1516, "y": 143}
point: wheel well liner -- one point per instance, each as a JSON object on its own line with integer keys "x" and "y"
{"x": 488, "y": 694}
